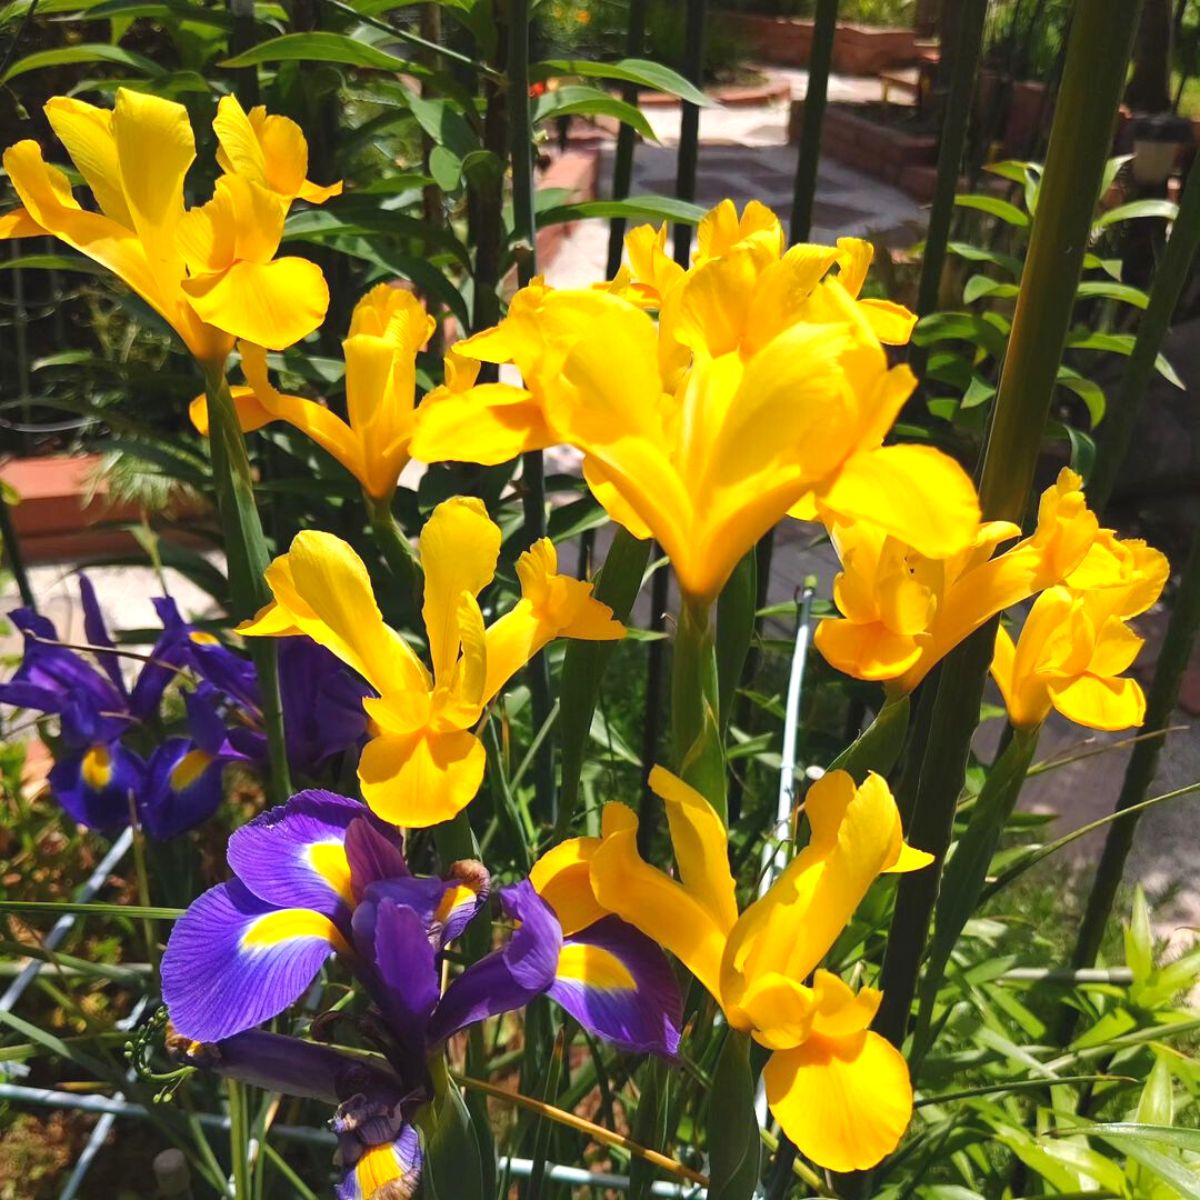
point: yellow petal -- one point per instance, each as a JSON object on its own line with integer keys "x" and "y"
{"x": 240, "y": 152}
{"x": 490, "y": 424}
{"x": 1097, "y": 703}
{"x": 654, "y": 903}
{"x": 1116, "y": 648}
{"x": 250, "y": 411}
{"x": 273, "y": 305}
{"x": 87, "y": 133}
{"x": 866, "y": 651}
{"x": 778, "y": 1010}
{"x": 940, "y": 512}
{"x": 421, "y": 779}
{"x": 459, "y": 547}
{"x": 839, "y": 1012}
{"x": 893, "y": 323}
{"x": 701, "y": 846}
{"x": 865, "y": 1099}
{"x": 325, "y": 590}
{"x": 154, "y": 148}
{"x": 562, "y": 877}
{"x": 17, "y": 223}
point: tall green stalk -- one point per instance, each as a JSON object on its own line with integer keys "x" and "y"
{"x": 1080, "y": 141}
{"x": 696, "y": 741}
{"x": 804, "y": 191}
{"x": 11, "y": 548}
{"x": 622, "y": 178}
{"x": 247, "y": 556}
{"x": 1173, "y": 659}
{"x": 398, "y": 553}
{"x": 533, "y": 481}
{"x": 1173, "y": 272}
{"x": 953, "y": 143}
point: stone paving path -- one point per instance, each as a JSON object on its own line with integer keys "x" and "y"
{"x": 744, "y": 156}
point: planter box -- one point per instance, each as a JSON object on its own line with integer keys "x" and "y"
{"x": 884, "y": 152}
{"x": 857, "y": 49}
{"x": 61, "y": 515}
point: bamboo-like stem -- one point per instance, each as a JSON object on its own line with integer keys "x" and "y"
{"x": 246, "y": 554}
{"x": 1139, "y": 774}
{"x": 622, "y": 178}
{"x": 597, "y": 1133}
{"x": 1097, "y": 56}
{"x": 696, "y": 742}
{"x": 689, "y": 124}
{"x": 804, "y": 190}
{"x": 955, "y": 126}
{"x": 533, "y": 482}
{"x": 1173, "y": 272}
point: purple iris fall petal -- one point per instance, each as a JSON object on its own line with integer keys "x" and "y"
{"x": 507, "y": 978}
{"x": 234, "y": 961}
{"x": 182, "y": 789}
{"x": 294, "y": 854}
{"x": 618, "y": 984}
{"x": 322, "y": 703}
{"x": 372, "y": 855}
{"x": 95, "y": 782}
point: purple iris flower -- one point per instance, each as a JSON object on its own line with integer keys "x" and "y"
{"x": 321, "y": 876}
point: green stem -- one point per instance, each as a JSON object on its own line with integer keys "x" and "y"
{"x": 398, "y": 553}
{"x": 689, "y": 124}
{"x": 1080, "y": 141}
{"x": 1173, "y": 659}
{"x": 238, "y": 1140}
{"x": 953, "y": 143}
{"x": 11, "y": 547}
{"x": 804, "y": 190}
{"x": 1173, "y": 272}
{"x": 966, "y": 873}
{"x": 878, "y": 747}
{"x": 695, "y": 705}
{"x": 247, "y": 556}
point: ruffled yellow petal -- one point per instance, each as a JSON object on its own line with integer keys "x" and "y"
{"x": 562, "y": 877}
{"x": 866, "y": 651}
{"x": 701, "y": 846}
{"x": 459, "y": 547}
{"x": 892, "y": 323}
{"x": 423, "y": 778}
{"x": 87, "y": 134}
{"x": 489, "y": 424}
{"x": 654, "y": 903}
{"x": 844, "y": 1103}
{"x": 1096, "y": 703}
{"x": 778, "y": 1010}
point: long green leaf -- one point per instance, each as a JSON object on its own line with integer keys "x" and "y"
{"x": 734, "y": 1148}
{"x": 994, "y": 207}
{"x": 590, "y": 102}
{"x": 628, "y": 70}
{"x": 90, "y": 908}
{"x": 653, "y": 208}
{"x": 90, "y": 52}
{"x": 319, "y": 46}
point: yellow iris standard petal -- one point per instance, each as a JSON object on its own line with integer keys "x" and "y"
{"x": 562, "y": 877}
{"x": 87, "y": 134}
{"x": 844, "y": 1103}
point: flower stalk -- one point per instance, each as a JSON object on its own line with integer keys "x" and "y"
{"x": 695, "y": 705}
{"x": 246, "y": 553}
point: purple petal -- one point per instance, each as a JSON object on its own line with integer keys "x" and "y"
{"x": 295, "y": 854}
{"x": 507, "y": 978}
{"x": 373, "y": 856}
{"x": 234, "y": 961}
{"x": 405, "y": 980}
{"x": 467, "y": 891}
{"x": 94, "y": 784}
{"x": 97, "y": 634}
{"x": 618, "y": 984}
{"x": 183, "y": 789}
{"x": 322, "y": 703}
{"x": 285, "y": 1064}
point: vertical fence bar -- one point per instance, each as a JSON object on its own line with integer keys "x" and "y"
{"x": 804, "y": 189}
{"x": 533, "y": 483}
{"x": 622, "y": 178}
{"x": 956, "y": 124}
{"x": 1080, "y": 141}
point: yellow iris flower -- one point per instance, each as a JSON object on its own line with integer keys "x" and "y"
{"x": 839, "y": 1091}
{"x": 1075, "y": 643}
{"x": 424, "y": 763}
{"x": 707, "y": 459}
{"x": 387, "y": 328}
{"x": 209, "y": 272}
{"x": 903, "y": 610}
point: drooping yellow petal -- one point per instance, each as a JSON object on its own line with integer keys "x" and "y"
{"x": 778, "y": 1010}
{"x": 1097, "y": 703}
{"x": 459, "y": 546}
{"x": 251, "y": 413}
{"x": 421, "y": 779}
{"x": 489, "y": 424}
{"x": 866, "y": 651}
{"x": 701, "y": 846}
{"x": 562, "y": 877}
{"x": 940, "y": 510}
{"x": 844, "y": 1103}
{"x": 17, "y": 223}
{"x": 649, "y": 900}
{"x": 272, "y": 304}
{"x": 839, "y": 1011}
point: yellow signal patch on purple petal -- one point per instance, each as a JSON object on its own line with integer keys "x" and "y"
{"x": 594, "y": 967}
{"x": 188, "y": 769}
{"x": 292, "y": 924}
{"x": 97, "y": 768}
{"x": 201, "y": 638}
{"x": 329, "y": 861}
